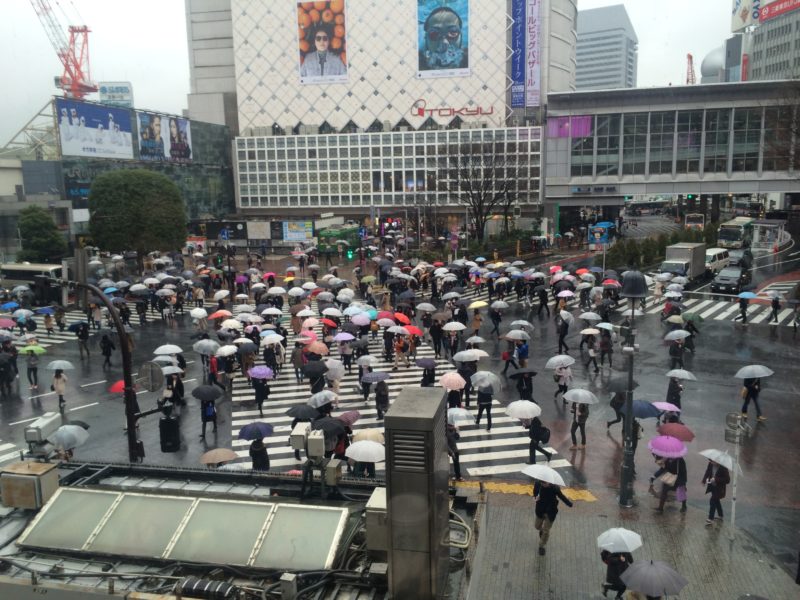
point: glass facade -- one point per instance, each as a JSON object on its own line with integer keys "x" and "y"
{"x": 582, "y": 155}
{"x": 402, "y": 168}
{"x": 662, "y": 139}
{"x": 634, "y": 143}
{"x": 746, "y": 138}
{"x": 777, "y": 137}
{"x": 608, "y": 144}
{"x": 717, "y": 135}
{"x": 690, "y": 135}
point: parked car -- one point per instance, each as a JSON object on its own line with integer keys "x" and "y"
{"x": 730, "y": 280}
{"x": 741, "y": 257}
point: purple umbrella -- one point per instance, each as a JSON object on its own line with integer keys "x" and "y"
{"x": 349, "y": 417}
{"x": 667, "y": 446}
{"x": 261, "y": 372}
{"x": 360, "y": 319}
{"x": 241, "y": 279}
{"x": 375, "y": 377}
{"x": 343, "y": 337}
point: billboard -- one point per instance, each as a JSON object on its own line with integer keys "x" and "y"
{"x": 298, "y": 231}
{"x": 116, "y": 93}
{"x": 518, "y": 54}
{"x": 533, "y": 58}
{"x": 745, "y": 13}
{"x": 777, "y": 8}
{"x": 163, "y": 138}
{"x": 322, "y": 41}
{"x": 93, "y": 130}
{"x": 442, "y": 38}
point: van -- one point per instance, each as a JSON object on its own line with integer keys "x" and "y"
{"x": 716, "y": 260}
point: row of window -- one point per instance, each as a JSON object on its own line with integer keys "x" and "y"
{"x": 680, "y": 141}
{"x": 253, "y": 199}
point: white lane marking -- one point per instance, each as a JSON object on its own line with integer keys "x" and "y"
{"x": 83, "y": 406}
{"x": 94, "y": 383}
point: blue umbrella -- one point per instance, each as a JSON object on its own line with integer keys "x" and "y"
{"x": 255, "y": 431}
{"x": 480, "y": 258}
{"x": 110, "y": 290}
{"x": 596, "y": 269}
{"x": 642, "y": 410}
{"x": 426, "y": 363}
{"x": 75, "y": 326}
{"x": 44, "y": 311}
{"x": 748, "y": 295}
{"x": 10, "y": 306}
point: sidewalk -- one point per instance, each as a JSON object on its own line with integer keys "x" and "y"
{"x": 507, "y": 565}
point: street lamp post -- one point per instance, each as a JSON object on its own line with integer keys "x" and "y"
{"x": 634, "y": 287}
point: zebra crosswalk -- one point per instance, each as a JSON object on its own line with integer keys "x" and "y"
{"x": 503, "y": 450}
{"x": 713, "y": 309}
{"x": 8, "y": 453}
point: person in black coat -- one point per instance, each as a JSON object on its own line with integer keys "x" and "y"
{"x": 466, "y": 370}
{"x": 484, "y": 404}
{"x": 454, "y": 399}
{"x": 261, "y": 389}
{"x": 752, "y": 388}
{"x": 452, "y": 449}
{"x": 258, "y": 452}
{"x": 676, "y": 355}
{"x": 616, "y": 564}
{"x": 716, "y": 479}
{"x": 674, "y": 391}
{"x": 428, "y": 377}
{"x": 536, "y": 432}
{"x": 435, "y": 331}
{"x": 676, "y": 466}
{"x": 317, "y": 383}
{"x": 525, "y": 387}
{"x": 546, "y": 496}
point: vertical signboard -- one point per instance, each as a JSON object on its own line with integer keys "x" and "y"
{"x": 442, "y": 38}
{"x": 93, "y": 130}
{"x": 533, "y": 58}
{"x": 322, "y": 42}
{"x": 518, "y": 54}
{"x": 163, "y": 138}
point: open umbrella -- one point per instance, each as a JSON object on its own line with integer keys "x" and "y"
{"x": 753, "y": 372}
{"x": 590, "y": 331}
{"x": 523, "y": 409}
{"x": 366, "y": 451}
{"x": 219, "y": 295}
{"x": 459, "y": 415}
{"x": 524, "y": 371}
{"x": 261, "y": 372}
{"x": 375, "y": 377}
{"x": 642, "y": 410}
{"x": 349, "y": 417}
{"x": 168, "y": 349}
{"x": 676, "y": 430}
{"x": 315, "y": 368}
{"x": 368, "y": 360}
{"x": 205, "y": 347}
{"x": 318, "y": 348}
{"x": 543, "y": 473}
{"x": 217, "y": 456}
{"x": 580, "y": 396}
{"x": 666, "y": 406}
{"x": 747, "y": 295}
{"x": 220, "y": 314}
{"x": 475, "y": 339}
{"x": 678, "y": 334}
{"x": 619, "y": 384}
{"x": 454, "y": 326}
{"x": 332, "y": 428}
{"x": 517, "y": 334}
{"x": 321, "y": 398}
{"x": 426, "y": 307}
{"x": 206, "y": 393}
{"x": 619, "y": 539}
{"x": 667, "y": 446}
{"x": 32, "y": 349}
{"x": 59, "y": 365}
{"x": 227, "y": 350}
{"x": 372, "y": 434}
{"x": 68, "y": 437}
{"x": 721, "y": 458}
{"x": 452, "y": 381}
{"x": 198, "y": 313}
{"x": 486, "y": 381}
{"x": 465, "y": 356}
{"x": 559, "y": 360}
{"x": 681, "y": 374}
{"x": 425, "y": 363}
{"x": 255, "y": 431}
{"x": 303, "y": 412}
{"x": 653, "y": 578}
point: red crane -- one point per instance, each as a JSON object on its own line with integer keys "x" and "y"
{"x": 76, "y": 80}
{"x": 690, "y": 76}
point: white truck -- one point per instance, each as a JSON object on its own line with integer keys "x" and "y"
{"x": 685, "y": 259}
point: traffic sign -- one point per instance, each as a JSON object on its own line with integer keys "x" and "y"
{"x": 150, "y": 376}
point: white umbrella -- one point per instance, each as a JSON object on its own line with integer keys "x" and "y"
{"x": 271, "y": 339}
{"x": 678, "y": 334}
{"x": 454, "y": 326}
{"x": 607, "y": 326}
{"x": 198, "y": 313}
{"x": 559, "y": 360}
{"x": 566, "y": 316}
{"x": 168, "y": 349}
{"x": 165, "y": 292}
{"x": 486, "y": 381}
{"x": 475, "y": 339}
{"x": 171, "y": 370}
{"x": 276, "y": 291}
{"x": 499, "y": 305}
{"x": 753, "y": 371}
{"x": 619, "y": 539}
{"x": 332, "y": 312}
{"x": 242, "y": 340}
{"x": 228, "y": 350}
{"x": 721, "y": 458}
{"x": 521, "y": 323}
{"x": 68, "y": 437}
{"x": 231, "y": 324}
{"x": 296, "y": 292}
{"x": 517, "y": 334}
{"x": 273, "y": 312}
{"x": 207, "y": 347}
{"x": 306, "y": 312}
{"x": 590, "y": 331}
{"x": 221, "y": 294}
{"x": 565, "y": 294}
{"x": 241, "y": 297}
{"x": 523, "y": 409}
{"x": 151, "y": 281}
{"x": 590, "y": 316}
{"x": 459, "y": 415}
{"x": 166, "y": 359}
{"x": 309, "y": 285}
{"x": 465, "y": 356}
{"x": 367, "y": 361}
{"x": 681, "y": 374}
{"x": 366, "y": 451}
{"x": 426, "y": 307}
{"x": 580, "y": 396}
{"x": 543, "y": 473}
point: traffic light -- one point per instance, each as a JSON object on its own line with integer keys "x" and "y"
{"x": 690, "y": 196}
{"x": 349, "y": 254}
{"x": 218, "y": 259}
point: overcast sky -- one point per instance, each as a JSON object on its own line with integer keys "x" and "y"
{"x": 144, "y": 42}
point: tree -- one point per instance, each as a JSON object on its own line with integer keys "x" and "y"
{"x": 136, "y": 210}
{"x": 41, "y": 239}
{"x": 478, "y": 178}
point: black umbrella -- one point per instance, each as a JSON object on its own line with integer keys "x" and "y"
{"x": 392, "y": 282}
{"x": 562, "y": 284}
{"x": 205, "y": 393}
{"x": 407, "y": 295}
{"x": 620, "y": 385}
{"x": 426, "y": 363}
{"x": 304, "y": 412}
{"x": 362, "y": 343}
{"x": 520, "y": 372}
{"x": 247, "y": 348}
{"x": 350, "y": 328}
{"x": 255, "y": 431}
{"x": 315, "y": 368}
{"x": 331, "y": 427}
{"x": 538, "y": 288}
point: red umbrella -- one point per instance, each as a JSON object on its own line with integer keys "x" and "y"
{"x": 328, "y": 322}
{"x": 220, "y": 314}
{"x": 555, "y": 269}
{"x": 611, "y": 282}
{"x": 385, "y": 314}
{"x": 119, "y": 387}
{"x": 438, "y": 263}
{"x": 401, "y": 318}
{"x": 316, "y": 291}
{"x": 267, "y": 275}
{"x": 582, "y": 271}
{"x": 413, "y": 330}
{"x": 676, "y": 430}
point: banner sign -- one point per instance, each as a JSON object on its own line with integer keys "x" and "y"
{"x": 163, "y": 138}
{"x": 744, "y": 13}
{"x": 442, "y": 38}
{"x": 322, "y": 41}
{"x": 777, "y": 8}
{"x": 116, "y": 93}
{"x": 533, "y": 59}
{"x": 518, "y": 54}
{"x": 93, "y": 130}
{"x": 298, "y": 231}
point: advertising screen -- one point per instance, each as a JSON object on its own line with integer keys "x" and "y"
{"x": 163, "y": 138}
{"x": 322, "y": 41}
{"x": 443, "y": 38}
{"x": 93, "y": 130}
{"x": 298, "y": 231}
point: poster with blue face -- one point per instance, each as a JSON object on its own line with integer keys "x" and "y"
{"x": 93, "y": 130}
{"x": 443, "y": 38}
{"x": 164, "y": 138}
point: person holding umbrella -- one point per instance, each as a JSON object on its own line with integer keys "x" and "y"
{"x": 381, "y": 398}
{"x": 453, "y": 436}
{"x": 484, "y": 404}
{"x": 562, "y": 326}
{"x": 106, "y": 348}
{"x": 208, "y": 414}
{"x": 716, "y": 478}
{"x": 59, "y": 386}
{"x": 83, "y": 338}
{"x": 524, "y": 384}
{"x": 674, "y": 391}
{"x": 580, "y": 413}
{"x": 751, "y": 391}
{"x": 32, "y": 363}
{"x": 259, "y": 455}
{"x": 538, "y": 434}
{"x": 676, "y": 355}
{"x": 744, "y": 301}
{"x": 670, "y": 470}
{"x": 563, "y": 377}
{"x": 547, "y": 496}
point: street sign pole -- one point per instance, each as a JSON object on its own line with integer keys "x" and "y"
{"x": 736, "y": 430}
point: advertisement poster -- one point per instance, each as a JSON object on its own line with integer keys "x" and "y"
{"x": 518, "y": 54}
{"x": 745, "y": 13}
{"x": 93, "y": 130}
{"x": 116, "y": 93}
{"x": 443, "y": 38}
{"x": 533, "y": 57}
{"x": 163, "y": 138}
{"x": 298, "y": 231}
{"x": 777, "y": 8}
{"x": 322, "y": 41}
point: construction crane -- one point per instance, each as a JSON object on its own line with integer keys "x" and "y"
{"x": 76, "y": 80}
{"x": 690, "y": 76}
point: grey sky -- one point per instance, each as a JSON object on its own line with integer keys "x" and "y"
{"x": 144, "y": 41}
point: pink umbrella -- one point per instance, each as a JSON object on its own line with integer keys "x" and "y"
{"x": 7, "y": 323}
{"x": 555, "y": 269}
{"x": 666, "y": 406}
{"x": 452, "y": 381}
{"x": 349, "y": 417}
{"x": 241, "y": 279}
{"x": 667, "y": 446}
{"x": 310, "y": 322}
{"x": 310, "y": 336}
{"x": 360, "y": 319}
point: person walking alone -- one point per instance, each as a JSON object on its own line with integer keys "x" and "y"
{"x": 751, "y": 391}
{"x": 580, "y": 413}
{"x": 563, "y": 330}
{"x": 776, "y": 307}
{"x": 106, "y": 348}
{"x": 484, "y": 404}
{"x": 83, "y": 338}
{"x": 743, "y": 304}
{"x": 59, "y": 386}
{"x": 259, "y": 455}
{"x": 617, "y": 402}
{"x": 547, "y": 496}
{"x": 716, "y": 478}
{"x": 538, "y": 434}
{"x": 563, "y": 376}
{"x": 208, "y": 414}
{"x": 32, "y": 362}
{"x": 452, "y": 449}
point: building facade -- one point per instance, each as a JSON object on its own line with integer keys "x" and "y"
{"x": 607, "y": 49}
{"x": 775, "y": 52}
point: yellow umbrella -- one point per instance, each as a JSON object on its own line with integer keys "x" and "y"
{"x": 478, "y": 304}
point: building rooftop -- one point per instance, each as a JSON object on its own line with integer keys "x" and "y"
{"x": 605, "y": 18}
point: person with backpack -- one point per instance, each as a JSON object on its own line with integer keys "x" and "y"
{"x": 547, "y": 496}
{"x": 523, "y": 351}
{"x": 208, "y": 413}
{"x": 400, "y": 351}
{"x": 106, "y": 348}
{"x": 539, "y": 435}
{"x": 580, "y": 413}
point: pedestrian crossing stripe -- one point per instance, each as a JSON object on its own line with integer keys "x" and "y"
{"x": 722, "y": 310}
{"x": 6, "y": 455}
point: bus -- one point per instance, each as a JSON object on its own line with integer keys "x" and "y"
{"x": 736, "y": 233}
{"x": 695, "y": 221}
{"x": 14, "y": 274}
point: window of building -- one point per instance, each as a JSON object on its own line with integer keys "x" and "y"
{"x": 746, "y": 138}
{"x": 581, "y": 154}
{"x": 662, "y": 137}
{"x": 690, "y": 130}
{"x": 608, "y": 144}
{"x": 777, "y": 137}
{"x": 634, "y": 143}
{"x": 717, "y": 139}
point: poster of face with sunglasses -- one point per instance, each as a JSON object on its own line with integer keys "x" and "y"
{"x": 443, "y": 38}
{"x": 322, "y": 41}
